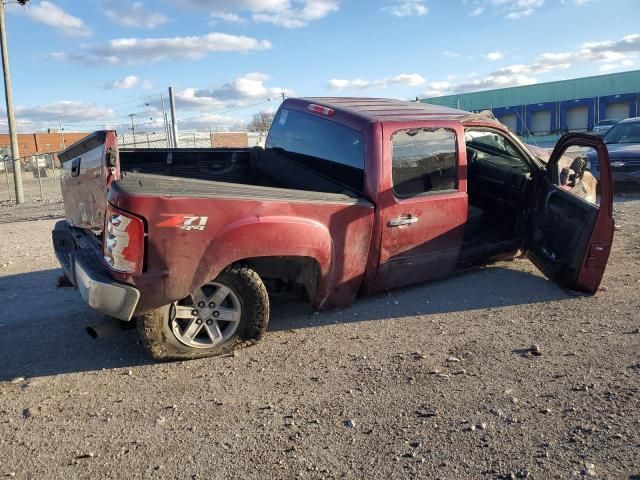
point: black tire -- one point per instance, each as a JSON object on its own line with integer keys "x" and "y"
{"x": 157, "y": 336}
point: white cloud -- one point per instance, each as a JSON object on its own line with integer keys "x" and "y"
{"x": 341, "y": 84}
{"x": 624, "y": 65}
{"x": 450, "y": 54}
{"x": 519, "y": 14}
{"x": 490, "y": 82}
{"x": 133, "y": 15}
{"x": 284, "y": 13}
{"x": 227, "y": 17}
{"x": 147, "y": 50}
{"x": 125, "y": 83}
{"x": 310, "y": 11}
{"x": 510, "y": 9}
{"x": 244, "y": 90}
{"x": 213, "y": 122}
{"x": 493, "y": 56}
{"x": 618, "y": 54}
{"x": 408, "y": 79}
{"x": 407, "y": 8}
{"x": 247, "y": 87}
{"x": 71, "y": 111}
{"x": 52, "y": 15}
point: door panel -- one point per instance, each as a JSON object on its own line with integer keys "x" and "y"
{"x": 569, "y": 237}
{"x": 423, "y": 208}
{"x": 426, "y": 249}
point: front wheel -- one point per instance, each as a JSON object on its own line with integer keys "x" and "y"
{"x": 215, "y": 319}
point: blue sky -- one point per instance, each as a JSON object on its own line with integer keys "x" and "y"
{"x": 95, "y": 62}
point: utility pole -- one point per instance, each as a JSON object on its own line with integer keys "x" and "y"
{"x": 283, "y": 96}
{"x": 133, "y": 127}
{"x": 164, "y": 118}
{"x": 174, "y": 124}
{"x": 62, "y": 133}
{"x": 13, "y": 133}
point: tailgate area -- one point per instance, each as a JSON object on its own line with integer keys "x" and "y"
{"x": 79, "y": 255}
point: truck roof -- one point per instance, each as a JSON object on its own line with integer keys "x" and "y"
{"x": 386, "y": 109}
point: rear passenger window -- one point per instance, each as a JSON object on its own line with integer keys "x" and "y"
{"x": 322, "y": 145}
{"x": 424, "y": 161}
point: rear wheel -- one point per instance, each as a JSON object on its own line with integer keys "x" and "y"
{"x": 216, "y": 318}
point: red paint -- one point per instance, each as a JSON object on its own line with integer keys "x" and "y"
{"x": 352, "y": 244}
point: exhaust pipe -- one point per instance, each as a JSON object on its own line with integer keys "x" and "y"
{"x": 109, "y": 326}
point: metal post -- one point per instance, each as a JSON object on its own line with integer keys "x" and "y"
{"x": 174, "y": 125}
{"x": 6, "y": 174}
{"x": 62, "y": 133}
{"x": 133, "y": 129}
{"x": 53, "y": 169}
{"x": 13, "y": 132}
{"x": 194, "y": 139}
{"x": 148, "y": 142}
{"x": 39, "y": 179}
{"x": 164, "y": 116}
{"x": 167, "y": 133}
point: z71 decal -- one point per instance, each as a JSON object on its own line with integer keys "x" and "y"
{"x": 184, "y": 222}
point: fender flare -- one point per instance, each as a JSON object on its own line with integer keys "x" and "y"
{"x": 268, "y": 236}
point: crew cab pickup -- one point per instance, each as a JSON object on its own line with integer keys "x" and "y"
{"x": 350, "y": 196}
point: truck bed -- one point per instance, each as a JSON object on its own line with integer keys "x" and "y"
{"x": 133, "y": 183}
{"x": 242, "y": 169}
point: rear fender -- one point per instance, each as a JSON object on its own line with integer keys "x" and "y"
{"x": 269, "y": 236}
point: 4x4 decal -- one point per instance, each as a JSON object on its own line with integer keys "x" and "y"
{"x": 184, "y": 222}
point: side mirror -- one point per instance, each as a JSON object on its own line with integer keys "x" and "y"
{"x": 565, "y": 176}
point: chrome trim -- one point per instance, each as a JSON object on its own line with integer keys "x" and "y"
{"x": 110, "y": 298}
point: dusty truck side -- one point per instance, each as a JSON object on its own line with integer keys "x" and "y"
{"x": 349, "y": 197}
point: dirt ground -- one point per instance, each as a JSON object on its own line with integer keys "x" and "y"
{"x": 434, "y": 381}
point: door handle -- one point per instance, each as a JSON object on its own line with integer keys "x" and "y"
{"x": 403, "y": 221}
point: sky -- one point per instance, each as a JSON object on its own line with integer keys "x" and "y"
{"x": 92, "y": 63}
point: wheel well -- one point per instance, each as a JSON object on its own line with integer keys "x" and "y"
{"x": 289, "y": 271}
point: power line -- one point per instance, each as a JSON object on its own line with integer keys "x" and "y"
{"x": 225, "y": 111}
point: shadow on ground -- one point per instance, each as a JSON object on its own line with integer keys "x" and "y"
{"x": 42, "y": 331}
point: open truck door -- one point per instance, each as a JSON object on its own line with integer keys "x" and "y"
{"x": 570, "y": 238}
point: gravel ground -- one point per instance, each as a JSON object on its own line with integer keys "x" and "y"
{"x": 435, "y": 381}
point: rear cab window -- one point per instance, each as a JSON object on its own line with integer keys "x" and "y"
{"x": 425, "y": 161}
{"x": 320, "y": 144}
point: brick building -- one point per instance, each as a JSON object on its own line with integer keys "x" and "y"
{"x": 30, "y": 144}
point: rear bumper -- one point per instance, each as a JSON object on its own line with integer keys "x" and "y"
{"x": 79, "y": 256}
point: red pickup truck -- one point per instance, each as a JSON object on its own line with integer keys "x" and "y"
{"x": 350, "y": 196}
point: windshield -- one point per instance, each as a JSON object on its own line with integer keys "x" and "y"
{"x": 624, "y": 133}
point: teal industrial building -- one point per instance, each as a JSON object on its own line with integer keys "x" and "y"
{"x": 547, "y": 110}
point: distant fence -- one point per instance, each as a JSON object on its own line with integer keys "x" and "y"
{"x": 40, "y": 178}
{"x": 193, "y": 140}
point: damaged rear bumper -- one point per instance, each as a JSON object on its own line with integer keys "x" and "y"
{"x": 79, "y": 256}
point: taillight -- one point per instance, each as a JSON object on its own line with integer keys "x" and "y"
{"x": 320, "y": 109}
{"x": 123, "y": 242}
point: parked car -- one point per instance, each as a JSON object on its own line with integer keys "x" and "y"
{"x": 623, "y": 144}
{"x": 350, "y": 196}
{"x": 603, "y": 126}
